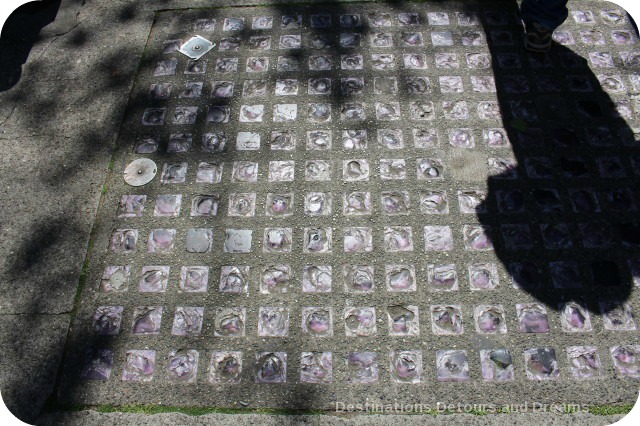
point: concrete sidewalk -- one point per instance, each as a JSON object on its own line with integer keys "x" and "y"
{"x": 68, "y": 127}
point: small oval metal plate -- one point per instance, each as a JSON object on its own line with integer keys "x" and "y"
{"x": 140, "y": 172}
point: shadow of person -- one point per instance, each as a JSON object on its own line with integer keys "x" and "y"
{"x": 19, "y": 33}
{"x": 562, "y": 202}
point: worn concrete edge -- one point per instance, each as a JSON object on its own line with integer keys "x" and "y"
{"x": 94, "y": 417}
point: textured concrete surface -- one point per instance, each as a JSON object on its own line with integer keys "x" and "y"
{"x": 59, "y": 126}
{"x": 32, "y": 350}
{"x": 93, "y": 418}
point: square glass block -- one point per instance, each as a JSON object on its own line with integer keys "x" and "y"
{"x": 271, "y": 367}
{"x": 226, "y": 367}
{"x": 230, "y": 322}
{"x": 147, "y": 320}
{"x": 248, "y": 141}
{"x": 497, "y": 365}
{"x": 154, "y": 279}
{"x": 194, "y": 279}
{"x": 406, "y": 366}
{"x": 400, "y": 278}
{"x": 452, "y": 366}
{"x": 161, "y": 240}
{"x": 187, "y": 321}
{"x": 238, "y": 241}
{"x": 199, "y": 240}
{"x": 273, "y": 322}
{"x": 360, "y": 321}
{"x": 316, "y": 367}
{"x": 362, "y": 367}
{"x": 182, "y": 366}
{"x": 115, "y": 279}
{"x": 403, "y": 320}
{"x": 139, "y": 366}
{"x": 234, "y": 279}
{"x": 98, "y": 364}
{"x": 124, "y": 240}
{"x": 318, "y": 204}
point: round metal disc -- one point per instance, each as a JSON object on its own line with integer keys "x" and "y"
{"x": 140, "y": 172}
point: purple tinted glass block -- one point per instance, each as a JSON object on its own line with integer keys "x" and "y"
{"x": 497, "y": 365}
{"x": 452, "y": 366}
{"x": 317, "y": 321}
{"x": 403, "y": 320}
{"x": 362, "y": 367}
{"x": 360, "y": 322}
{"x": 154, "y": 279}
{"x": 277, "y": 240}
{"x": 182, "y": 366}
{"x": 230, "y": 322}
{"x": 532, "y": 318}
{"x": 199, "y": 240}
{"x": 626, "y": 359}
{"x": 395, "y": 203}
{"x": 541, "y": 364}
{"x": 584, "y": 362}
{"x": 400, "y": 277}
{"x": 139, "y": 366}
{"x": 446, "y": 319}
{"x": 398, "y": 239}
{"x": 317, "y": 279}
{"x": 124, "y": 240}
{"x": 442, "y": 277}
{"x": 317, "y": 240}
{"x": 477, "y": 237}
{"x": 434, "y": 202}
{"x": 234, "y": 279}
{"x": 115, "y": 279}
{"x": 273, "y": 322}
{"x": 98, "y": 364}
{"x": 406, "y": 366}
{"x": 131, "y": 205}
{"x": 490, "y": 319}
{"x": 147, "y": 320}
{"x": 438, "y": 238}
{"x": 358, "y": 278}
{"x": 271, "y": 367}
{"x": 225, "y": 367}
{"x": 168, "y": 205}
{"x": 161, "y": 240}
{"x": 358, "y": 240}
{"x": 187, "y": 321}
{"x": 194, "y": 279}
{"x": 574, "y": 318}
{"x": 107, "y": 320}
{"x": 617, "y": 316}
{"x": 316, "y": 367}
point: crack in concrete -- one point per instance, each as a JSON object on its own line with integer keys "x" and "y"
{"x": 13, "y": 108}
{"x": 57, "y": 36}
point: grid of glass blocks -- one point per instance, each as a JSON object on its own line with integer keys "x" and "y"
{"x": 331, "y": 147}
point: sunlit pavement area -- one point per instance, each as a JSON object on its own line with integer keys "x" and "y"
{"x": 354, "y": 203}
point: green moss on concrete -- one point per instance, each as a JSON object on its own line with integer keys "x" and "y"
{"x": 608, "y": 410}
{"x": 150, "y": 409}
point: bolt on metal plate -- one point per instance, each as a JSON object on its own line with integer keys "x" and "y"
{"x": 140, "y": 172}
{"x": 196, "y": 47}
